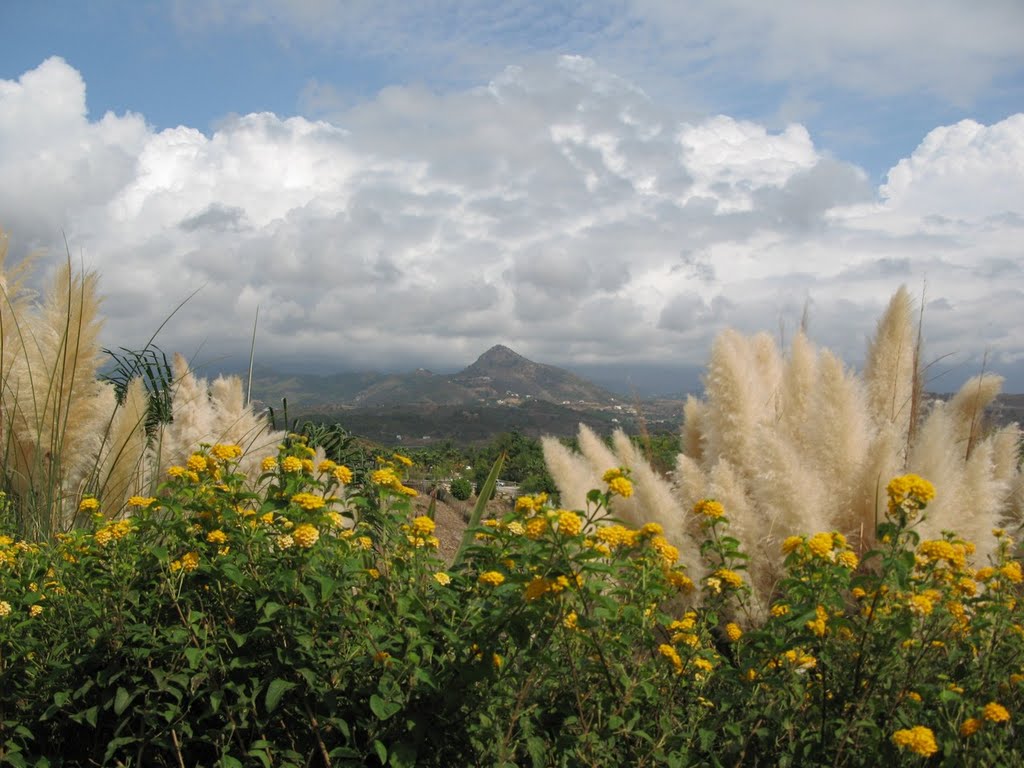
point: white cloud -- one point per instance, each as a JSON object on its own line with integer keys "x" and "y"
{"x": 555, "y": 208}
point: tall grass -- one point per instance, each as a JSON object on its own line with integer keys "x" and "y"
{"x": 63, "y": 434}
{"x": 795, "y": 441}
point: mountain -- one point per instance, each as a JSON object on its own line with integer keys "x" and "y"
{"x": 499, "y": 376}
{"x": 501, "y": 373}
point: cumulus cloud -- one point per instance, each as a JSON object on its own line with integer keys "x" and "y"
{"x": 555, "y": 207}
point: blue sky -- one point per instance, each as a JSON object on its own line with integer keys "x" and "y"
{"x": 402, "y": 183}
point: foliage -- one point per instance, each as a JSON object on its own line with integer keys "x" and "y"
{"x": 230, "y": 624}
{"x": 461, "y": 488}
{"x": 152, "y": 367}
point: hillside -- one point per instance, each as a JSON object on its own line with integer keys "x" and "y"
{"x": 499, "y": 376}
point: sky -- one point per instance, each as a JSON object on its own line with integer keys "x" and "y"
{"x": 394, "y": 185}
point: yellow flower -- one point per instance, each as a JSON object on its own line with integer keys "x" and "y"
{"x": 306, "y": 535}
{"x": 779, "y": 609}
{"x": 225, "y": 451}
{"x": 307, "y": 466}
{"x": 920, "y": 740}
{"x": 651, "y": 529}
{"x": 535, "y": 527}
{"x": 818, "y": 625}
{"x": 284, "y": 541}
{"x": 141, "y": 501}
{"x": 709, "y": 508}
{"x": 291, "y": 464}
{"x": 342, "y": 474}
{"x": 373, "y": 573}
{"x": 702, "y": 664}
{"x": 731, "y": 578}
{"x": 422, "y": 525}
{"x": 269, "y": 464}
{"x": 1012, "y": 572}
{"x": 537, "y": 588}
{"x": 679, "y": 580}
{"x": 909, "y": 494}
{"x": 404, "y": 460}
{"x": 611, "y": 474}
{"x": 969, "y": 727}
{"x": 921, "y": 605}
{"x": 491, "y": 578}
{"x": 385, "y": 477}
{"x": 733, "y": 631}
{"x": 672, "y": 655}
{"x": 497, "y": 660}
{"x": 196, "y": 462}
{"x": 569, "y": 622}
{"x": 995, "y": 713}
{"x": 89, "y": 504}
{"x": 569, "y": 523}
{"x": 442, "y": 578}
{"x": 187, "y": 562}
{"x": 847, "y": 559}
{"x": 309, "y": 501}
{"x": 621, "y": 486}
{"x": 175, "y": 471}
{"x": 791, "y": 544}
{"x": 5, "y": 608}
{"x": 668, "y": 553}
{"x": 35, "y": 610}
{"x": 365, "y": 542}
{"x": 820, "y": 544}
{"x": 216, "y": 537}
{"x": 515, "y": 528}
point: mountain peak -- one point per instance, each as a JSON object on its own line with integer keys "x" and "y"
{"x": 500, "y": 355}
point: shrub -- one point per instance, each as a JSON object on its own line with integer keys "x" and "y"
{"x": 461, "y": 488}
{"x": 308, "y": 621}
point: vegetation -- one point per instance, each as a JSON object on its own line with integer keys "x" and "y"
{"x": 231, "y": 624}
{"x": 801, "y": 443}
{"x": 461, "y": 488}
{"x": 189, "y": 587}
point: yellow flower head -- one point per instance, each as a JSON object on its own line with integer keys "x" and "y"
{"x": 491, "y": 578}
{"x": 820, "y": 545}
{"x": 611, "y": 474}
{"x": 216, "y": 537}
{"x": 908, "y": 494}
{"x": 920, "y": 740}
{"x": 995, "y": 713}
{"x": 733, "y": 631}
{"x": 305, "y": 535}
{"x": 197, "y": 462}
{"x": 569, "y": 523}
{"x": 269, "y": 464}
{"x": 709, "y": 508}
{"x": 342, "y": 474}
{"x": 969, "y": 727}
{"x": 176, "y": 471}
{"x": 5, "y": 608}
{"x": 620, "y": 486}
{"x": 226, "y": 451}
{"x": 731, "y": 578}
{"x": 442, "y": 578}
{"x": 291, "y": 464}
{"x": 141, "y": 501}
{"x": 403, "y": 460}
{"x": 422, "y": 525}
{"x": 672, "y": 655}
{"x": 89, "y": 504}
{"x": 309, "y": 501}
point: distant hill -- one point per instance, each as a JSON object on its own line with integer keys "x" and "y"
{"x": 499, "y": 376}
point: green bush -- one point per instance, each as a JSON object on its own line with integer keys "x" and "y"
{"x": 461, "y": 488}
{"x": 308, "y": 621}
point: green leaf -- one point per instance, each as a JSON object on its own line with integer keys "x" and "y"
{"x": 478, "y": 509}
{"x": 383, "y": 709}
{"x": 275, "y": 691}
{"x": 121, "y": 700}
{"x": 382, "y": 752}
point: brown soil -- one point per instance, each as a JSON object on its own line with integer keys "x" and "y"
{"x": 451, "y": 517}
